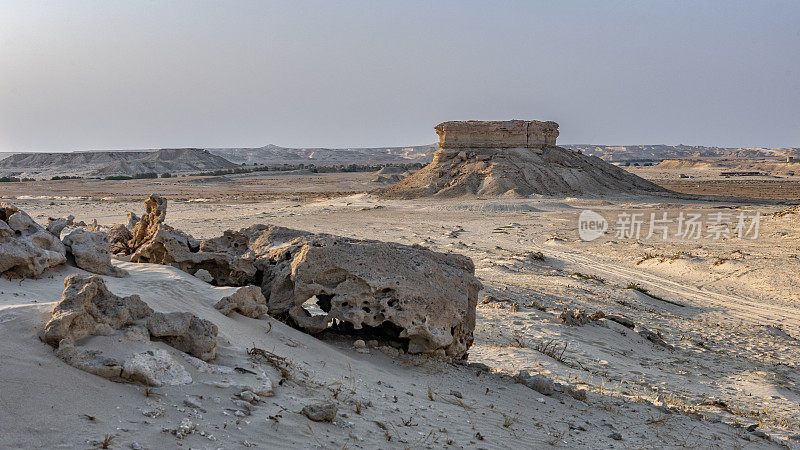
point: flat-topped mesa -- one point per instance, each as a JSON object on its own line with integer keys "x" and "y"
{"x": 496, "y": 134}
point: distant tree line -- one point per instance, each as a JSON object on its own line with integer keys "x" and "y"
{"x": 14, "y": 179}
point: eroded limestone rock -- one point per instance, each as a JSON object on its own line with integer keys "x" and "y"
{"x": 26, "y": 248}
{"x": 101, "y": 333}
{"x": 88, "y": 308}
{"x": 247, "y": 301}
{"x": 118, "y": 237}
{"x": 55, "y": 226}
{"x": 422, "y": 298}
{"x": 186, "y": 332}
{"x": 92, "y": 252}
{"x": 429, "y": 298}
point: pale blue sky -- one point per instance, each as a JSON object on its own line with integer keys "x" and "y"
{"x": 148, "y": 74}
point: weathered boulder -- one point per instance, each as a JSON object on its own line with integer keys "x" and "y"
{"x": 247, "y": 301}
{"x": 186, "y": 332}
{"x": 92, "y": 252}
{"x": 88, "y": 308}
{"x": 496, "y": 134}
{"x": 26, "y": 248}
{"x": 429, "y": 298}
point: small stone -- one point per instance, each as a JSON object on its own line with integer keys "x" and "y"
{"x": 136, "y": 446}
{"x": 359, "y": 344}
{"x": 616, "y": 436}
{"x": 192, "y": 402}
{"x": 204, "y": 275}
{"x": 321, "y": 412}
{"x": 372, "y": 343}
{"x": 538, "y": 383}
{"x": 577, "y": 394}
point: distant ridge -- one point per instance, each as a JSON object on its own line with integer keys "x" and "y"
{"x": 273, "y": 154}
{"x": 106, "y": 163}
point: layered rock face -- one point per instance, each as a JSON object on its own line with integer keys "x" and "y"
{"x": 26, "y": 248}
{"x": 496, "y": 134}
{"x": 420, "y": 297}
{"x": 512, "y": 159}
{"x": 89, "y": 311}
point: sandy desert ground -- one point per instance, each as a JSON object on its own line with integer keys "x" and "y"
{"x": 725, "y": 375}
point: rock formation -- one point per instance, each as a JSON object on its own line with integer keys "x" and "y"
{"x": 421, "y": 298}
{"x": 428, "y": 297}
{"x": 26, "y": 248}
{"x": 514, "y": 159}
{"x": 92, "y": 252}
{"x": 496, "y": 134}
{"x": 87, "y": 309}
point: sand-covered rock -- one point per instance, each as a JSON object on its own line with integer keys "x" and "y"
{"x": 88, "y": 308}
{"x": 92, "y": 252}
{"x": 512, "y": 159}
{"x": 101, "y": 333}
{"x": 26, "y": 248}
{"x": 186, "y": 332}
{"x": 155, "y": 368}
{"x": 247, "y": 301}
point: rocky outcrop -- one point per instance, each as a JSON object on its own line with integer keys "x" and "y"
{"x": 26, "y": 248}
{"x": 496, "y": 134}
{"x": 87, "y": 309}
{"x": 423, "y": 299}
{"x": 247, "y": 301}
{"x": 146, "y": 227}
{"x": 512, "y": 159}
{"x": 92, "y": 252}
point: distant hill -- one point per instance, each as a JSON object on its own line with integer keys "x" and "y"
{"x": 273, "y": 154}
{"x": 660, "y": 152}
{"x": 105, "y": 163}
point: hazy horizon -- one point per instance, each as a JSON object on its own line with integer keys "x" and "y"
{"x": 89, "y": 75}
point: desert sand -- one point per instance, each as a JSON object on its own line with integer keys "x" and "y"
{"x": 730, "y": 364}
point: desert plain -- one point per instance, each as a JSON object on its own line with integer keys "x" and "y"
{"x": 647, "y": 343}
